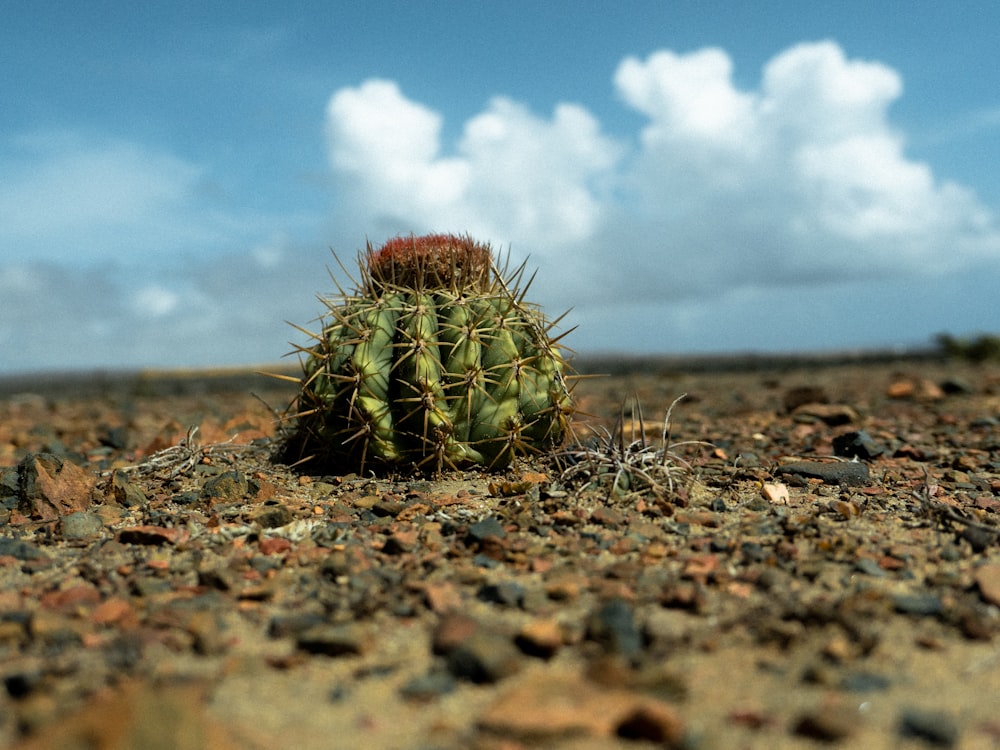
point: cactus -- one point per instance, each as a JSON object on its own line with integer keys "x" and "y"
{"x": 434, "y": 361}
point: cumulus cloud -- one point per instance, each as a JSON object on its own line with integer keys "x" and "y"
{"x": 513, "y": 174}
{"x": 800, "y": 180}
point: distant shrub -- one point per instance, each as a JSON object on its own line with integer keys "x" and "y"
{"x": 980, "y": 348}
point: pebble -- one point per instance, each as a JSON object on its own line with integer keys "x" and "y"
{"x": 613, "y": 626}
{"x": 541, "y": 638}
{"x": 857, "y": 445}
{"x": 81, "y": 526}
{"x": 653, "y": 722}
{"x": 987, "y": 579}
{"x": 851, "y": 473}
{"x": 489, "y": 526}
{"x": 485, "y": 657}
{"x": 20, "y": 549}
{"x": 933, "y": 727}
{"x": 544, "y": 708}
{"x": 507, "y": 593}
{"x": 428, "y": 687}
{"x": 830, "y": 723}
{"x": 918, "y": 604}
{"x": 227, "y": 487}
{"x": 830, "y": 414}
{"x": 335, "y": 640}
{"x": 125, "y": 492}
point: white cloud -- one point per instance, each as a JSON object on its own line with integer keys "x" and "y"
{"x": 514, "y": 175}
{"x": 154, "y": 301}
{"x": 801, "y": 179}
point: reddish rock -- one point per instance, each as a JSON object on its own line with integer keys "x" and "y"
{"x": 273, "y": 546}
{"x": 443, "y": 598}
{"x": 51, "y": 487}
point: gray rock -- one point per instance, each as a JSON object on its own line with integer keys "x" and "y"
{"x": 613, "y": 626}
{"x": 934, "y": 727}
{"x": 484, "y": 657}
{"x": 81, "y": 526}
{"x": 857, "y": 445}
{"x": 851, "y": 473}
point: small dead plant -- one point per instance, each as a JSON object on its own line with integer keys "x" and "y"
{"x": 624, "y": 461}
{"x": 180, "y": 460}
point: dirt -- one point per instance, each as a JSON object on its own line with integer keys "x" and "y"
{"x": 807, "y": 553}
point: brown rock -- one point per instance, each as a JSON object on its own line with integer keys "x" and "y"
{"x": 549, "y": 707}
{"x": 988, "y": 580}
{"x": 540, "y": 638}
{"x": 545, "y": 707}
{"x": 831, "y": 414}
{"x": 51, "y": 487}
{"x": 653, "y": 721}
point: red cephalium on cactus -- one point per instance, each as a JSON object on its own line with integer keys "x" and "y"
{"x": 435, "y": 361}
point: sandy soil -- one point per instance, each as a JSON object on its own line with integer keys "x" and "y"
{"x": 808, "y": 555}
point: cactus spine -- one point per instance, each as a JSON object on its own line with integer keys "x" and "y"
{"x": 434, "y": 361}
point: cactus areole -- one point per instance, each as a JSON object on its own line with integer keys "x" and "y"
{"x": 435, "y": 361}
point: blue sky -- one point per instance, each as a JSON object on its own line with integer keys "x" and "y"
{"x": 688, "y": 177}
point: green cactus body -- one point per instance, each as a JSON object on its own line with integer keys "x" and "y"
{"x": 434, "y": 362}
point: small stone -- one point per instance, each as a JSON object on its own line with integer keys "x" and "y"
{"x": 428, "y": 687}
{"x": 918, "y": 604}
{"x": 827, "y": 723}
{"x": 334, "y": 640}
{"x": 151, "y": 535}
{"x": 857, "y": 445}
{"x": 452, "y": 630}
{"x": 613, "y": 626}
{"x": 864, "y": 682}
{"x": 273, "y": 545}
{"x": 775, "y": 493}
{"x": 20, "y": 549}
{"x": 978, "y": 538}
{"x": 227, "y": 487}
{"x": 271, "y": 515}
{"x": 851, "y": 473}
{"x": 934, "y": 727}
{"x": 507, "y": 593}
{"x": 544, "y": 708}
{"x": 489, "y": 526}
{"x": 287, "y": 625}
{"x": 954, "y": 385}
{"x": 401, "y": 542}
{"x": 652, "y": 721}
{"x": 830, "y": 414}
{"x": 541, "y": 638}
{"x": 124, "y": 492}
{"x": 805, "y": 394}
{"x": 81, "y": 526}
{"x": 484, "y": 657}
{"x": 869, "y": 567}
{"x": 987, "y": 579}
{"x": 443, "y": 597}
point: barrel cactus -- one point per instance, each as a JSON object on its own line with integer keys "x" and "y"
{"x": 435, "y": 361}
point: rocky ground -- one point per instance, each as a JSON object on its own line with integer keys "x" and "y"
{"x": 808, "y": 555}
